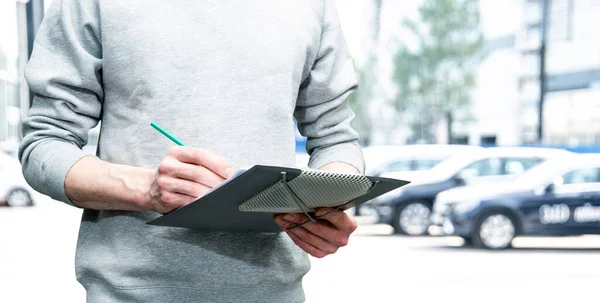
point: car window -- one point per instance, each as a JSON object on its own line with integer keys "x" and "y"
{"x": 516, "y": 166}
{"x": 579, "y": 176}
{"x": 484, "y": 167}
{"x": 425, "y": 164}
{"x": 403, "y": 165}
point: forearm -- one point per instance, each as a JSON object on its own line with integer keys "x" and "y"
{"x": 96, "y": 184}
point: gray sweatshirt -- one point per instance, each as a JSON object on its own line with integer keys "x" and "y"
{"x": 226, "y": 75}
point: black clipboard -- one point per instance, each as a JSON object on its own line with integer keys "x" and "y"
{"x": 219, "y": 210}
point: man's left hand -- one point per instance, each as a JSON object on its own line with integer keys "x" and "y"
{"x": 320, "y": 238}
{"x": 329, "y": 233}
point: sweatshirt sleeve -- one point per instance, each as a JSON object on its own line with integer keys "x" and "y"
{"x": 322, "y": 110}
{"x": 64, "y": 74}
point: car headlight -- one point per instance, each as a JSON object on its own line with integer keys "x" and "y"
{"x": 466, "y": 206}
{"x": 440, "y": 206}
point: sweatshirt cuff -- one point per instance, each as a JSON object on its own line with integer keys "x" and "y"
{"x": 349, "y": 153}
{"x": 55, "y": 159}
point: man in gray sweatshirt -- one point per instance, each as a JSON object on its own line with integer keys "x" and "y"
{"x": 227, "y": 77}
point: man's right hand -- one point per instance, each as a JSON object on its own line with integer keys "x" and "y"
{"x": 185, "y": 174}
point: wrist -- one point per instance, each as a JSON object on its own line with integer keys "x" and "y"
{"x": 135, "y": 183}
{"x": 340, "y": 167}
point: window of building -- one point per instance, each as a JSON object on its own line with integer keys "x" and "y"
{"x": 460, "y": 140}
{"x": 488, "y": 140}
{"x": 560, "y": 20}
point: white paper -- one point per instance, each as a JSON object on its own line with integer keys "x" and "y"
{"x": 236, "y": 174}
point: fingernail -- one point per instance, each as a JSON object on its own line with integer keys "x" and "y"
{"x": 229, "y": 172}
{"x": 290, "y": 217}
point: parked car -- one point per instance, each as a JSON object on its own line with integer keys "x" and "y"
{"x": 406, "y": 162}
{"x": 556, "y": 198}
{"x": 14, "y": 190}
{"x": 395, "y": 160}
{"x": 408, "y": 209}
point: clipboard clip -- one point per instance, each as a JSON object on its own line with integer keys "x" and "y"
{"x": 306, "y": 210}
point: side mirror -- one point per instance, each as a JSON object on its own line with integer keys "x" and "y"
{"x": 545, "y": 189}
{"x": 459, "y": 180}
{"x": 549, "y": 188}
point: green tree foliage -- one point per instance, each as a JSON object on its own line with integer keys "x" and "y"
{"x": 435, "y": 73}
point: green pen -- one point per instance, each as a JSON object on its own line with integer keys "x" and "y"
{"x": 166, "y": 133}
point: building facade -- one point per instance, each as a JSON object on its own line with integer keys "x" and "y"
{"x": 506, "y": 104}
{"x": 571, "y": 109}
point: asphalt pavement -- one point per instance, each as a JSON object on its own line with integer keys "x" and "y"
{"x": 37, "y": 248}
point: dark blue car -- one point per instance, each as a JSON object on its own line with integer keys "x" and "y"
{"x": 557, "y": 198}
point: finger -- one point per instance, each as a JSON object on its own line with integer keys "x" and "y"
{"x": 181, "y": 186}
{"x": 320, "y": 229}
{"x": 200, "y": 156}
{"x": 340, "y": 219}
{"x": 307, "y": 247}
{"x": 171, "y": 201}
{"x": 196, "y": 173}
{"x": 313, "y": 251}
{"x": 304, "y": 233}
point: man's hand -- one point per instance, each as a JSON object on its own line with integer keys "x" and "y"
{"x": 320, "y": 238}
{"x": 329, "y": 233}
{"x": 185, "y": 174}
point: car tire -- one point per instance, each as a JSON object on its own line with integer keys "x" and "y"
{"x": 495, "y": 230}
{"x": 412, "y": 218}
{"x": 19, "y": 198}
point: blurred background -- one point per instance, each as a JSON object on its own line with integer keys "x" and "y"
{"x": 491, "y": 108}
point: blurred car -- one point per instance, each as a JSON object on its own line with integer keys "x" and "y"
{"x": 395, "y": 160}
{"x": 406, "y": 162}
{"x": 14, "y": 190}
{"x": 408, "y": 209}
{"x": 559, "y": 197}
{"x": 388, "y": 160}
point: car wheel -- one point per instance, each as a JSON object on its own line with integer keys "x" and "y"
{"x": 495, "y": 230}
{"x": 19, "y": 198}
{"x": 412, "y": 219}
